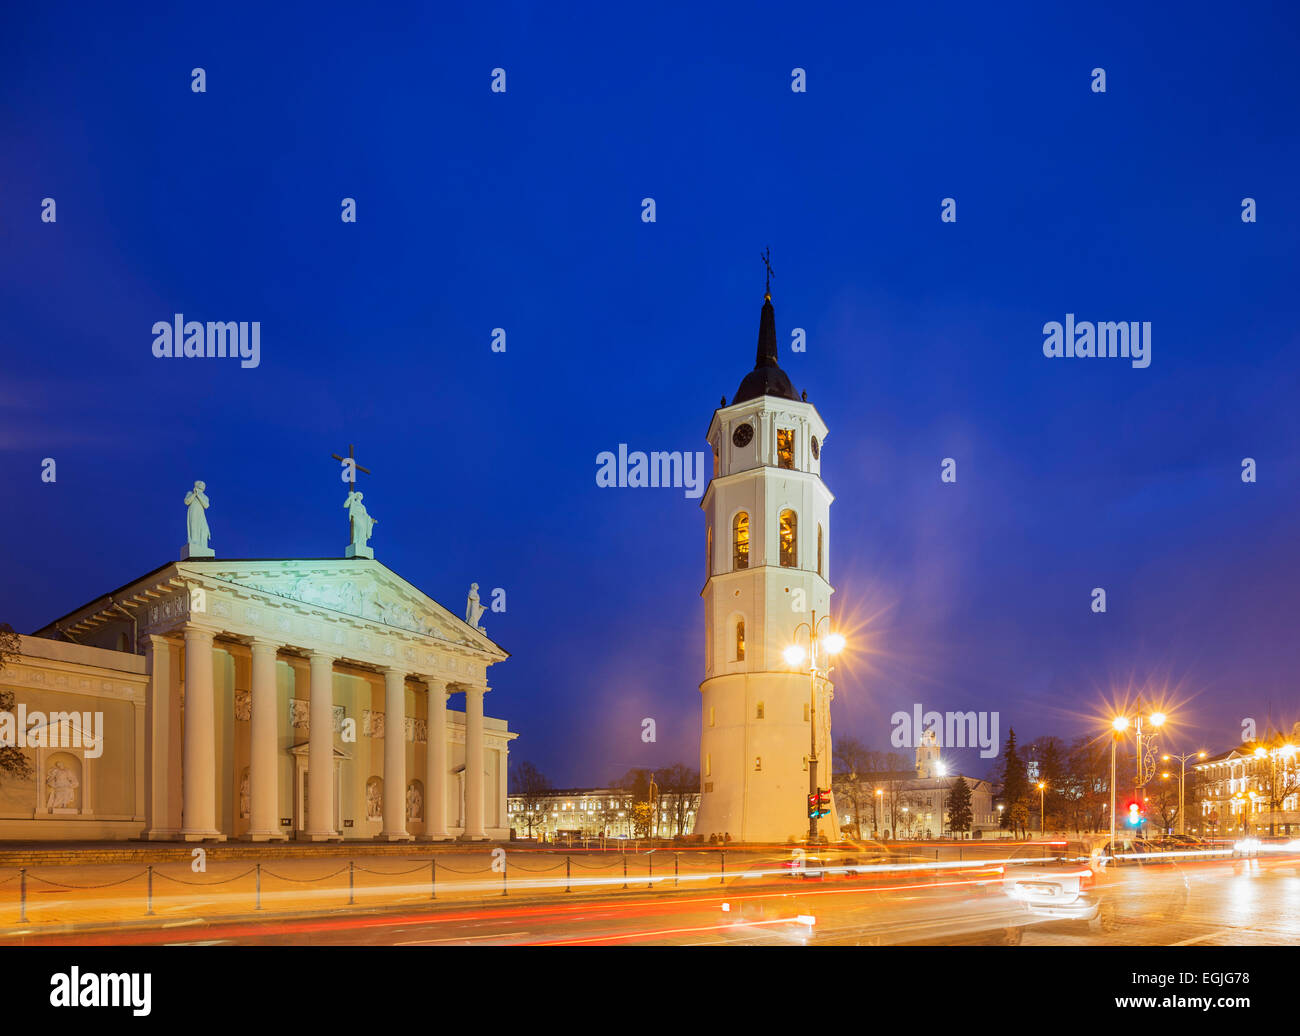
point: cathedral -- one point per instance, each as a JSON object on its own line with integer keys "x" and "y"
{"x": 767, "y": 538}
{"x": 258, "y": 699}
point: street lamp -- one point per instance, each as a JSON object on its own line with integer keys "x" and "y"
{"x": 1042, "y": 808}
{"x": 1146, "y": 763}
{"x": 1182, "y": 779}
{"x": 875, "y": 804}
{"x": 820, "y": 648}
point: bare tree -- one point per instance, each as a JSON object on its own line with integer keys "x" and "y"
{"x": 531, "y": 787}
{"x": 13, "y": 760}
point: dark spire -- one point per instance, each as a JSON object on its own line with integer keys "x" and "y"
{"x": 767, "y": 378}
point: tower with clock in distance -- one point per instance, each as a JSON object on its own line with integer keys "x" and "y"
{"x": 767, "y": 535}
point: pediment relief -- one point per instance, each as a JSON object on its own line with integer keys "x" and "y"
{"x": 366, "y": 595}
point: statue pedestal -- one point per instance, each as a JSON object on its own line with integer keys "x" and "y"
{"x": 354, "y": 551}
{"x": 191, "y": 551}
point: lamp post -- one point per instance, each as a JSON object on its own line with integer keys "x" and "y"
{"x": 1042, "y": 808}
{"x": 820, "y": 648}
{"x": 1182, "y": 779}
{"x": 1145, "y": 762}
{"x": 875, "y": 818}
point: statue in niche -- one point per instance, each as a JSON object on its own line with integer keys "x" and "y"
{"x": 374, "y": 799}
{"x": 473, "y": 610}
{"x": 63, "y": 785}
{"x": 245, "y": 800}
{"x": 362, "y": 524}
{"x": 414, "y": 800}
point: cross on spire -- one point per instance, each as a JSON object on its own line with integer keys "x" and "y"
{"x": 767, "y": 261}
{"x": 353, "y": 468}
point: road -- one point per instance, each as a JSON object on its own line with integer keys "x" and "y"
{"x": 1226, "y": 902}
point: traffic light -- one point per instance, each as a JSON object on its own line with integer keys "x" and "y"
{"x": 819, "y": 805}
{"x": 813, "y": 802}
{"x": 825, "y": 802}
{"x": 1135, "y": 817}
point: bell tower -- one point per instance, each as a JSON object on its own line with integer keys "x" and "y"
{"x": 767, "y": 535}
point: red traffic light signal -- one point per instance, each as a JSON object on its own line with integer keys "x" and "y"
{"x": 1135, "y": 816}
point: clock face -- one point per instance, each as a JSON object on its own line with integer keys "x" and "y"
{"x": 816, "y": 448}
{"x": 742, "y": 435}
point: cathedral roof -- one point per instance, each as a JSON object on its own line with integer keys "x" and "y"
{"x": 767, "y": 378}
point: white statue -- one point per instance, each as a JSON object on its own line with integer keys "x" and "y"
{"x": 413, "y": 802}
{"x": 62, "y": 783}
{"x": 374, "y": 800}
{"x": 473, "y": 610}
{"x": 362, "y": 525}
{"x": 196, "y": 523}
{"x": 245, "y": 801}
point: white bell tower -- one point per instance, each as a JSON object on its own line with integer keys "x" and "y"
{"x": 768, "y": 545}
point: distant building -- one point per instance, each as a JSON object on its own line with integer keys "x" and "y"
{"x": 912, "y": 803}
{"x": 571, "y": 813}
{"x": 1230, "y": 794}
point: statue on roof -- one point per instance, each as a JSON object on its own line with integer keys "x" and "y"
{"x": 362, "y": 526}
{"x": 196, "y": 524}
{"x": 473, "y": 610}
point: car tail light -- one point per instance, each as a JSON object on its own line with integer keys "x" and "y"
{"x": 1087, "y": 879}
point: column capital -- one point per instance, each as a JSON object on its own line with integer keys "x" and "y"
{"x": 321, "y": 658}
{"x": 264, "y": 642}
{"x": 154, "y": 641}
{"x": 437, "y": 682}
{"x": 199, "y": 630}
{"x": 390, "y": 670}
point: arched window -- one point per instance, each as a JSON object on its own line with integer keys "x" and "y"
{"x": 758, "y": 762}
{"x": 740, "y": 541}
{"x": 740, "y": 640}
{"x": 758, "y": 713}
{"x": 708, "y": 552}
{"x": 789, "y": 530}
{"x": 821, "y": 563}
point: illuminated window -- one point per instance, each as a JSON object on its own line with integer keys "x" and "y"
{"x": 758, "y": 762}
{"x": 785, "y": 448}
{"x": 708, "y": 766}
{"x": 758, "y": 713}
{"x": 740, "y": 541}
{"x": 789, "y": 532}
{"x": 708, "y": 552}
{"x": 711, "y": 715}
{"x": 740, "y": 640}
{"x": 821, "y": 569}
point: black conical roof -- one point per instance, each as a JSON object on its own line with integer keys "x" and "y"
{"x": 767, "y": 378}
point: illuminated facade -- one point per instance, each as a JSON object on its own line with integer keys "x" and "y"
{"x": 1241, "y": 792}
{"x": 572, "y": 813}
{"x": 229, "y": 684}
{"x": 767, "y": 534}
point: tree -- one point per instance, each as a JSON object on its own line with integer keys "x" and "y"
{"x": 1015, "y": 786}
{"x": 13, "y": 760}
{"x": 642, "y": 816}
{"x": 683, "y": 783}
{"x": 531, "y": 787}
{"x": 959, "y": 806}
{"x": 1048, "y": 753}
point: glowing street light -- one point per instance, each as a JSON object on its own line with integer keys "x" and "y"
{"x": 820, "y": 648}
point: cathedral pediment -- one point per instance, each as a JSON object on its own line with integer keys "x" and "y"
{"x": 360, "y": 588}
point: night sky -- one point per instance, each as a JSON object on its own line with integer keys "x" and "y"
{"x": 522, "y": 210}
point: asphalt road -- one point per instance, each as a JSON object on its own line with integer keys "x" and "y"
{"x": 1204, "y": 902}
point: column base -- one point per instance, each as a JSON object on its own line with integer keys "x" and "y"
{"x": 202, "y": 836}
{"x": 436, "y": 838}
{"x": 307, "y": 836}
{"x": 265, "y": 836}
{"x": 473, "y": 837}
{"x": 162, "y": 834}
{"x": 399, "y": 837}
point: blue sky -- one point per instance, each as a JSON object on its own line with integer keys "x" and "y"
{"x": 522, "y": 211}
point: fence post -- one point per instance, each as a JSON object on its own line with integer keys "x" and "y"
{"x": 22, "y": 894}
{"x": 568, "y": 875}
{"x": 505, "y": 873}
{"x": 625, "y": 870}
{"x": 433, "y": 878}
{"x": 675, "y": 881}
{"x": 650, "y": 862}
{"x": 149, "y": 900}
{"x": 351, "y": 897}
{"x": 723, "y": 880}
{"x": 259, "y": 886}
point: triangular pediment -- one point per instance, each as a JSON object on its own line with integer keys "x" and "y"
{"x": 361, "y": 588}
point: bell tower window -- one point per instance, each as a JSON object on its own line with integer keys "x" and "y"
{"x": 740, "y": 541}
{"x": 785, "y": 448}
{"x": 821, "y": 565}
{"x": 740, "y": 640}
{"x": 789, "y": 533}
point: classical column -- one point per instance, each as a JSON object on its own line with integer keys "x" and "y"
{"x": 474, "y": 762}
{"x": 435, "y": 767}
{"x": 394, "y": 756}
{"x": 263, "y": 768}
{"x": 160, "y": 782}
{"x": 199, "y": 811}
{"x": 320, "y": 750}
